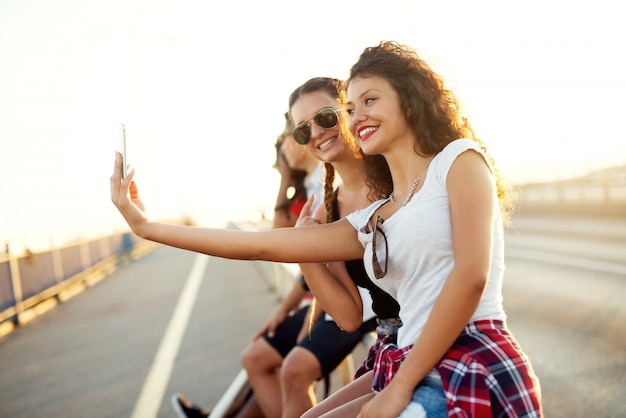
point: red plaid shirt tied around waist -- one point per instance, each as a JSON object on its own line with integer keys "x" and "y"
{"x": 484, "y": 374}
{"x": 387, "y": 333}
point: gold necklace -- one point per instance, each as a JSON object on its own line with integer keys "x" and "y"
{"x": 413, "y": 187}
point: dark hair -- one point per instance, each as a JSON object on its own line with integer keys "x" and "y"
{"x": 297, "y": 176}
{"x": 433, "y": 111}
{"x": 379, "y": 181}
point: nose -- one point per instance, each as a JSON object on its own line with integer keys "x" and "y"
{"x": 316, "y": 130}
{"x": 356, "y": 116}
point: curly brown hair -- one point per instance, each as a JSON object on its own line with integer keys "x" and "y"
{"x": 433, "y": 111}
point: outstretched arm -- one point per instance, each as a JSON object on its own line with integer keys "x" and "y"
{"x": 331, "y": 242}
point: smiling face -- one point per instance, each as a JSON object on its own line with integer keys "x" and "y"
{"x": 325, "y": 144}
{"x": 376, "y": 120}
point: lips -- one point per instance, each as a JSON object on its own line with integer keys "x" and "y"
{"x": 366, "y": 132}
{"x": 326, "y": 143}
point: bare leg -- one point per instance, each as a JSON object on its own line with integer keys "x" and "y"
{"x": 300, "y": 370}
{"x": 262, "y": 363}
{"x": 353, "y": 391}
{"x": 240, "y": 401}
{"x": 250, "y": 409}
{"x": 245, "y": 405}
{"x": 350, "y": 409}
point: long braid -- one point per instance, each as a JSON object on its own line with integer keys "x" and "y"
{"x": 329, "y": 195}
{"x": 329, "y": 181}
{"x": 334, "y": 88}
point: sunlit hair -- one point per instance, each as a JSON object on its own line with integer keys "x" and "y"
{"x": 380, "y": 183}
{"x": 432, "y": 110}
{"x": 297, "y": 176}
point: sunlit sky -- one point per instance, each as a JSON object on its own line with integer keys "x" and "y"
{"x": 202, "y": 86}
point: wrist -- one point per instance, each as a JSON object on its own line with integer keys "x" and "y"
{"x": 400, "y": 385}
{"x": 283, "y": 310}
{"x": 405, "y": 381}
{"x": 142, "y": 230}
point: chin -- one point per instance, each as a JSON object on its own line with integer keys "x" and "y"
{"x": 368, "y": 148}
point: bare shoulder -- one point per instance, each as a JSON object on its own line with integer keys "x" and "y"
{"x": 471, "y": 177}
{"x": 468, "y": 163}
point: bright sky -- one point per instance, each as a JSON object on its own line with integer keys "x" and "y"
{"x": 202, "y": 87}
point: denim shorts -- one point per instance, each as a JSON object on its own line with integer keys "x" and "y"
{"x": 428, "y": 400}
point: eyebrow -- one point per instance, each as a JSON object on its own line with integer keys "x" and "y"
{"x": 310, "y": 117}
{"x": 364, "y": 93}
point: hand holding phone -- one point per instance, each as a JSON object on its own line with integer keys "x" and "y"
{"x": 122, "y": 149}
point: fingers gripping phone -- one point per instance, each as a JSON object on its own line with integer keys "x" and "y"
{"x": 122, "y": 149}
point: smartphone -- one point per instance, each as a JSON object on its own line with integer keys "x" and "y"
{"x": 122, "y": 149}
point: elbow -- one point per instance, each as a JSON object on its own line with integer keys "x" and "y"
{"x": 477, "y": 282}
{"x": 472, "y": 278}
{"x": 349, "y": 323}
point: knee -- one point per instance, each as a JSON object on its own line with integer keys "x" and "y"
{"x": 248, "y": 355}
{"x": 300, "y": 366}
{"x": 260, "y": 358}
{"x": 255, "y": 358}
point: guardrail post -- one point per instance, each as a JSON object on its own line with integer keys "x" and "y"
{"x": 57, "y": 264}
{"x": 105, "y": 247}
{"x": 16, "y": 283}
{"x": 85, "y": 258}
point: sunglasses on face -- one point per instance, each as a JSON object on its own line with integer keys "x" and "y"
{"x": 326, "y": 118}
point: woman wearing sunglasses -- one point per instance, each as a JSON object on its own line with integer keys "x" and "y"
{"x": 303, "y": 359}
{"x": 439, "y": 249}
{"x": 320, "y": 135}
{"x": 342, "y": 289}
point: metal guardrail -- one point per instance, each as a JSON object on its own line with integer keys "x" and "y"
{"x": 595, "y": 196}
{"x": 607, "y": 187}
{"x": 33, "y": 283}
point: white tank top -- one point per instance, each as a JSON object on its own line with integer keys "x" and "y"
{"x": 419, "y": 237}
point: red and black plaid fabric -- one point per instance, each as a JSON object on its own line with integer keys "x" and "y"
{"x": 484, "y": 374}
{"x": 369, "y": 362}
{"x": 388, "y": 360}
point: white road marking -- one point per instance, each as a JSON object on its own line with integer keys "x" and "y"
{"x": 151, "y": 395}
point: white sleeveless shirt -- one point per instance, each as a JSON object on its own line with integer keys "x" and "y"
{"x": 419, "y": 237}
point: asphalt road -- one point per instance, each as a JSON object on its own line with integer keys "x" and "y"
{"x": 92, "y": 355}
{"x": 564, "y": 289}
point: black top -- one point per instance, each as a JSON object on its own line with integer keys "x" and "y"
{"x": 383, "y": 304}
